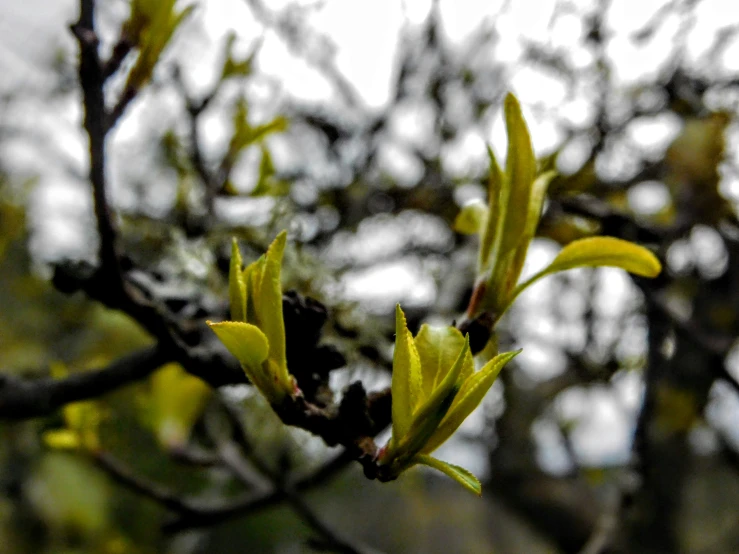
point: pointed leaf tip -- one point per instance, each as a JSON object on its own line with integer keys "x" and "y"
{"x": 598, "y": 252}
{"x": 459, "y": 474}
{"x": 607, "y": 251}
{"x": 245, "y": 341}
{"x": 268, "y": 304}
{"x": 406, "y": 377}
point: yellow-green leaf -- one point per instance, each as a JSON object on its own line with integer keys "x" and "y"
{"x": 251, "y": 275}
{"x": 248, "y": 344}
{"x": 498, "y": 191}
{"x": 233, "y": 67}
{"x": 459, "y": 474}
{"x": 599, "y": 252}
{"x": 82, "y": 420}
{"x": 607, "y": 251}
{"x": 432, "y": 411}
{"x": 536, "y": 202}
{"x": 512, "y": 262}
{"x": 157, "y": 23}
{"x": 520, "y": 172}
{"x": 438, "y": 349}
{"x": 424, "y": 425}
{"x": 472, "y": 218}
{"x": 471, "y": 393}
{"x": 406, "y": 379}
{"x": 268, "y": 303}
{"x": 236, "y": 285}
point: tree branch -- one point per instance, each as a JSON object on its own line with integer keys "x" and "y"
{"x": 205, "y": 516}
{"x": 123, "y": 475}
{"x": 232, "y": 458}
{"x": 210, "y": 180}
{"x": 92, "y": 79}
{"x": 192, "y": 513}
{"x": 23, "y": 399}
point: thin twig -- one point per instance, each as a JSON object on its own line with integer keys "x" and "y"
{"x": 194, "y": 109}
{"x": 207, "y": 516}
{"x": 123, "y": 475}
{"x": 92, "y": 79}
{"x": 232, "y": 458}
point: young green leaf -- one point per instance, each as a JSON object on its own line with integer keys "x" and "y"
{"x": 62, "y": 439}
{"x": 468, "y": 398}
{"x": 82, "y": 420}
{"x": 247, "y": 343}
{"x": 607, "y": 251}
{"x": 406, "y": 378}
{"x": 424, "y": 425}
{"x": 498, "y": 192}
{"x": 520, "y": 172}
{"x": 596, "y": 252}
{"x": 268, "y": 304}
{"x": 459, "y": 474}
{"x": 174, "y": 402}
{"x": 512, "y": 262}
{"x": 252, "y": 275}
{"x": 536, "y": 202}
{"x": 438, "y": 349}
{"x": 448, "y": 386}
{"x": 151, "y": 24}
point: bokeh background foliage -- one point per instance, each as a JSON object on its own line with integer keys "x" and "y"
{"x": 361, "y": 127}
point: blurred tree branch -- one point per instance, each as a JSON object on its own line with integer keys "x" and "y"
{"x": 28, "y": 398}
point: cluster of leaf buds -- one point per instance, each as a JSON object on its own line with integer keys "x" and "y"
{"x": 256, "y": 332}
{"x": 434, "y": 382}
{"x": 507, "y": 225}
{"x": 434, "y": 388}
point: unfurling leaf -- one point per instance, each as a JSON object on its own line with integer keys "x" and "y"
{"x": 247, "y": 343}
{"x": 469, "y": 397}
{"x": 459, "y": 474}
{"x": 406, "y": 378}
{"x": 434, "y": 388}
{"x": 62, "y": 439}
{"x": 497, "y": 206}
{"x": 515, "y": 201}
{"x": 233, "y": 67}
{"x": 434, "y": 408}
{"x": 520, "y": 172}
{"x": 257, "y": 335}
{"x": 606, "y": 251}
{"x": 438, "y": 349}
{"x": 268, "y": 304}
{"x": 599, "y": 252}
